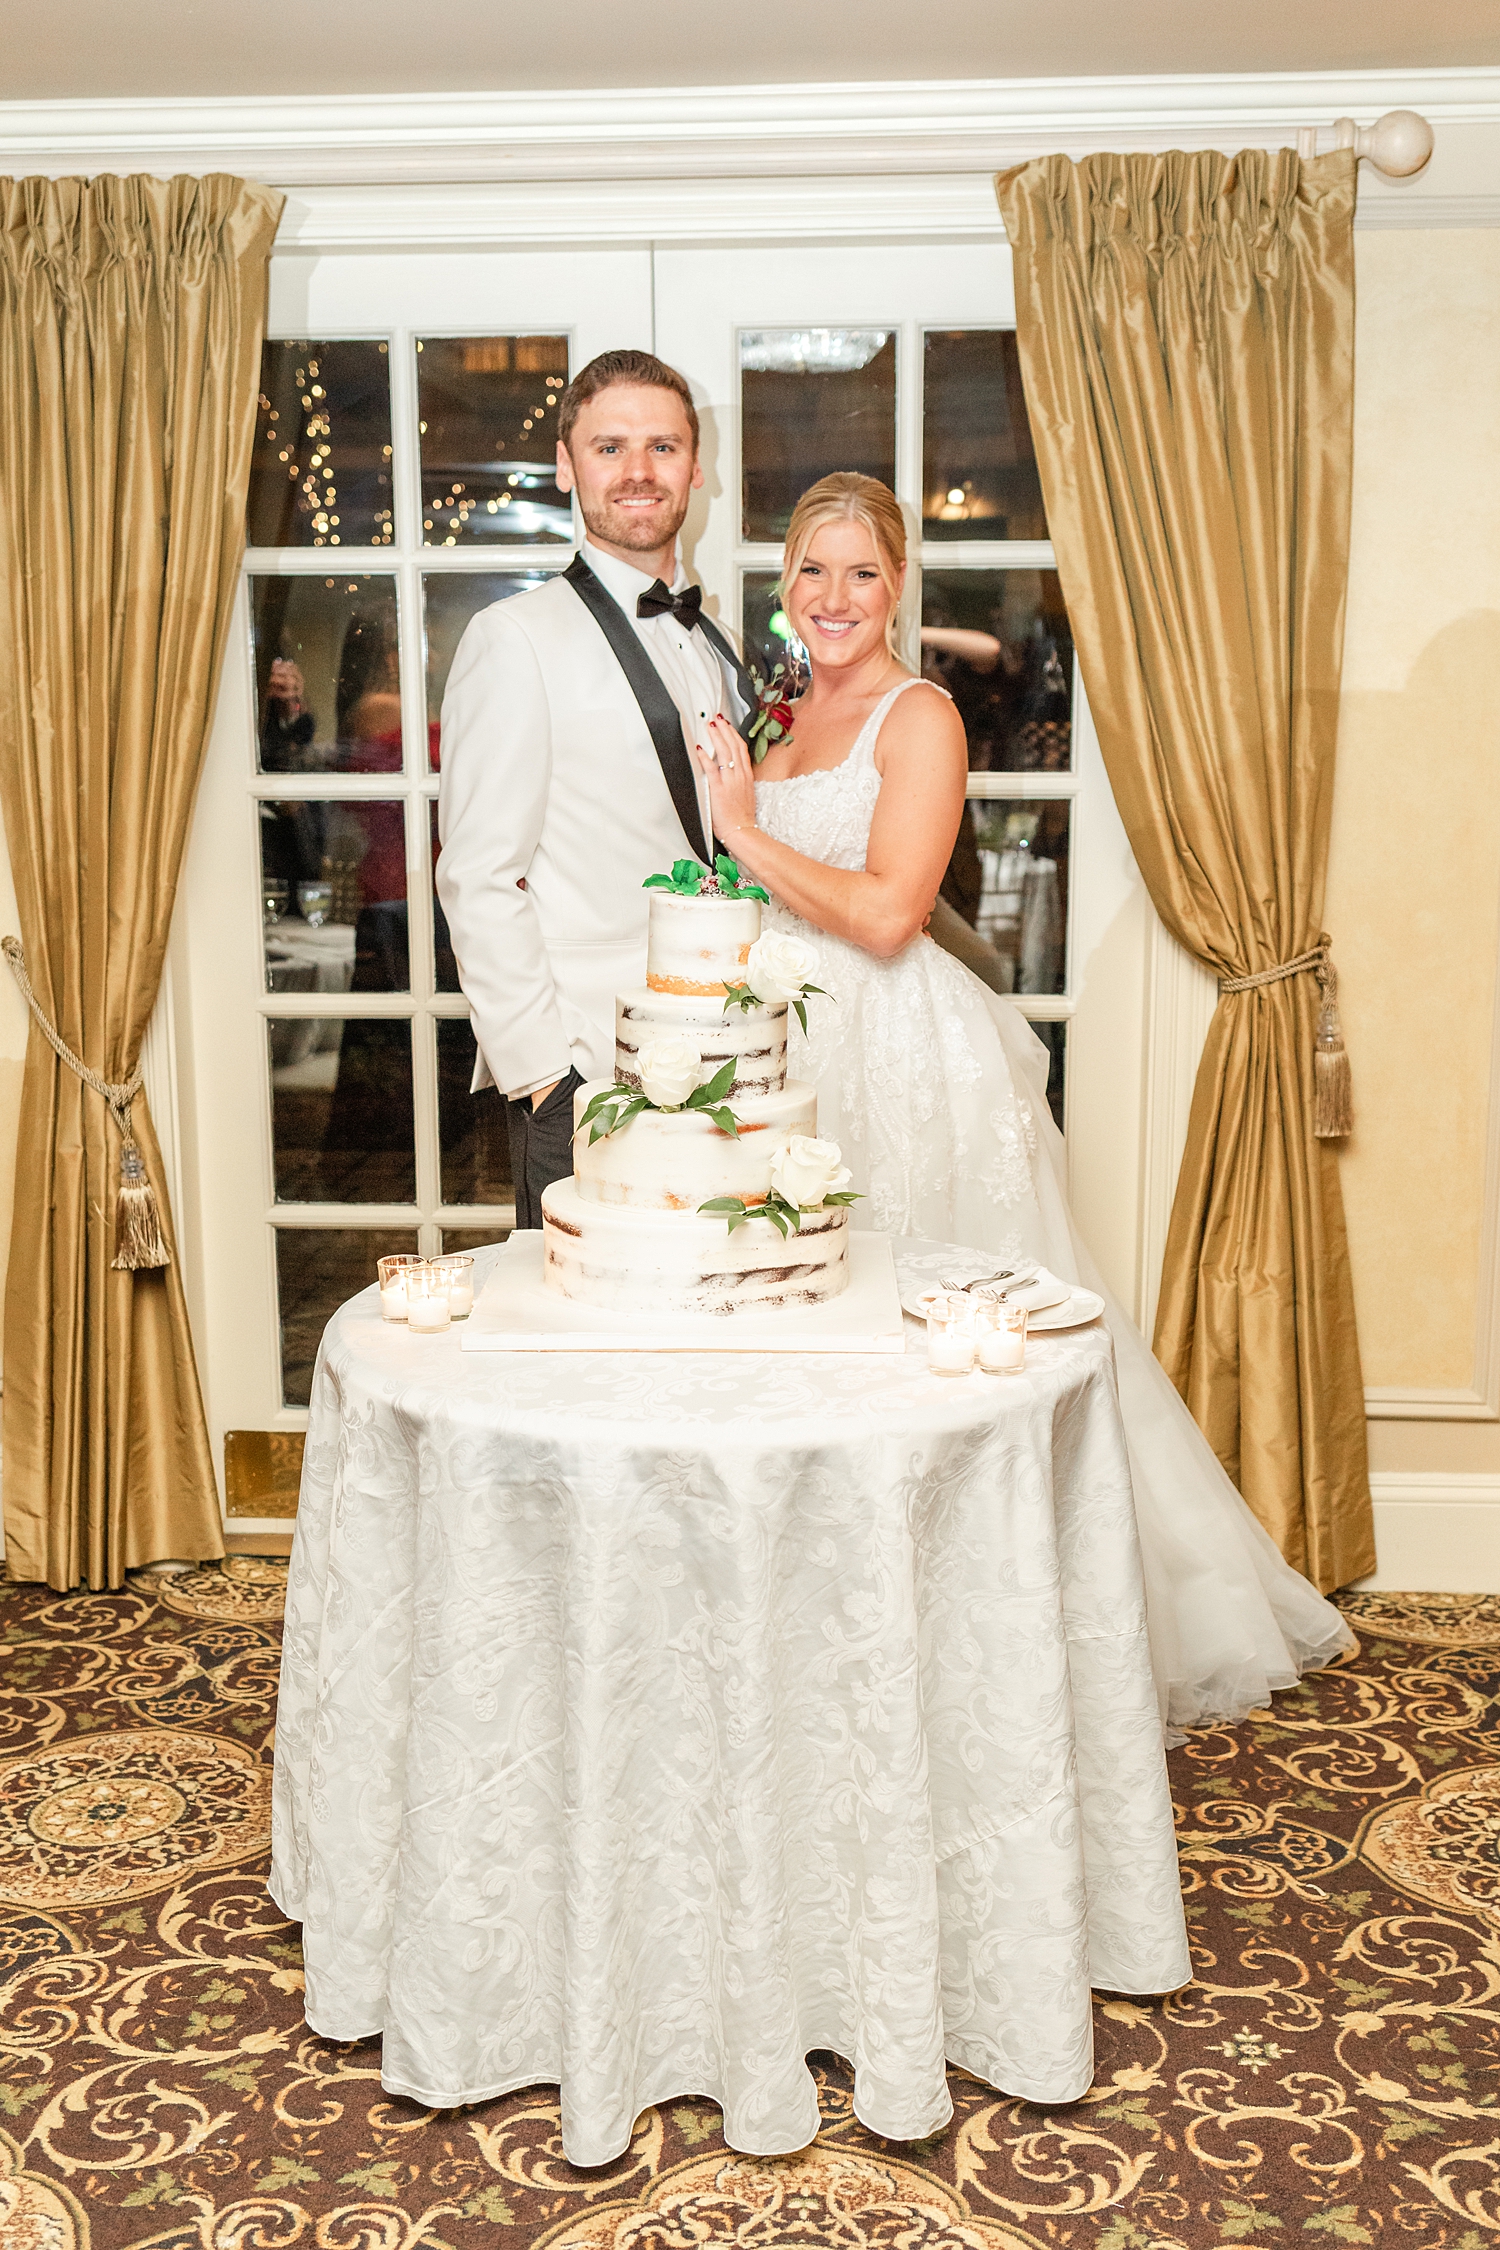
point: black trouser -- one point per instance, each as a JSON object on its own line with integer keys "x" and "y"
{"x": 541, "y": 1146}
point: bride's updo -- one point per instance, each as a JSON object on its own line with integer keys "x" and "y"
{"x": 848, "y": 497}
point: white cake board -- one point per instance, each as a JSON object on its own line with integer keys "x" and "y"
{"x": 514, "y": 1312}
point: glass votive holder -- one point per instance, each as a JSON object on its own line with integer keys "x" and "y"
{"x": 393, "y": 1273}
{"x": 460, "y": 1271}
{"x": 1000, "y": 1335}
{"x": 950, "y": 1335}
{"x": 427, "y": 1312}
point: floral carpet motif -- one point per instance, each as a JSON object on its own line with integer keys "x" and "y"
{"x": 1330, "y": 2077}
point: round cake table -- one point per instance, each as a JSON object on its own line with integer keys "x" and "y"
{"x": 649, "y": 1721}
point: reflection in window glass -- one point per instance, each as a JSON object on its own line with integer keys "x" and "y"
{"x": 1000, "y": 643}
{"x": 1054, "y": 1037}
{"x": 449, "y": 599}
{"x": 768, "y": 638}
{"x": 333, "y": 895}
{"x": 445, "y": 968}
{"x": 488, "y": 410}
{"x": 473, "y": 1238}
{"x": 317, "y": 1270}
{"x": 341, "y": 1110}
{"x": 471, "y": 1127}
{"x": 320, "y": 474}
{"x": 979, "y": 475}
{"x": 812, "y": 400}
{"x": 1008, "y": 879}
{"x": 327, "y": 674}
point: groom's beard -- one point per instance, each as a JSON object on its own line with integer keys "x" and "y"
{"x": 625, "y": 527}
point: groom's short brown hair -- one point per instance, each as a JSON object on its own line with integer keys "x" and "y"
{"x": 602, "y": 374}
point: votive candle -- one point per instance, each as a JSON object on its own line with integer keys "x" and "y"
{"x": 1001, "y": 1336}
{"x": 460, "y": 1271}
{"x": 393, "y": 1273}
{"x": 427, "y": 1312}
{"x": 950, "y": 1336}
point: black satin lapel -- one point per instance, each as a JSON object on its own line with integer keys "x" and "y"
{"x": 726, "y": 650}
{"x": 658, "y": 710}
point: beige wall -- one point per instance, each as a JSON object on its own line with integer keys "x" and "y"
{"x": 1414, "y": 873}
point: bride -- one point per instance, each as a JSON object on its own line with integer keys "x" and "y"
{"x": 935, "y": 1088}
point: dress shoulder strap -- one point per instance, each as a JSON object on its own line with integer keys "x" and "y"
{"x": 864, "y": 749}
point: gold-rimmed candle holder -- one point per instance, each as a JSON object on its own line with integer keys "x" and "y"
{"x": 459, "y": 1267}
{"x": 393, "y": 1272}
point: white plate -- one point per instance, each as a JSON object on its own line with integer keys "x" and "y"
{"x": 1070, "y": 1308}
{"x": 1038, "y": 1292}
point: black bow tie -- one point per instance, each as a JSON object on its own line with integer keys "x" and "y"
{"x": 657, "y": 600}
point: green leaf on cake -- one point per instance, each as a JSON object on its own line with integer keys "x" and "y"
{"x": 714, "y": 1089}
{"x": 726, "y": 1121}
{"x": 608, "y": 1111}
{"x": 728, "y": 872}
{"x": 800, "y": 1012}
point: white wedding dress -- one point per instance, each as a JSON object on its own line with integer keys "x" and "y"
{"x": 935, "y": 1090}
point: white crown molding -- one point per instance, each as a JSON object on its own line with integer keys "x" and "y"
{"x": 706, "y": 132}
{"x": 892, "y": 207}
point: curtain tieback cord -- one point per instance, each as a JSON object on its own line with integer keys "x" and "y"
{"x": 139, "y": 1243}
{"x": 1333, "y": 1092}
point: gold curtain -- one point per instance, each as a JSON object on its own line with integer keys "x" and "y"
{"x": 131, "y": 315}
{"x": 1185, "y": 325}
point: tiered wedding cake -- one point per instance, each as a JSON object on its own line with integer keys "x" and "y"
{"x": 652, "y": 1146}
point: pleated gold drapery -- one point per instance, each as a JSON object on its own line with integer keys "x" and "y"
{"x": 1186, "y": 331}
{"x": 131, "y": 315}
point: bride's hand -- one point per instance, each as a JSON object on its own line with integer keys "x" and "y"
{"x": 725, "y": 758}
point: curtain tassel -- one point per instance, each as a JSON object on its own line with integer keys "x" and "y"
{"x": 139, "y": 1242}
{"x": 1333, "y": 1086}
{"x": 138, "y": 1237}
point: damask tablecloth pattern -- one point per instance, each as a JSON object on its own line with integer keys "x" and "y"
{"x": 649, "y": 1721}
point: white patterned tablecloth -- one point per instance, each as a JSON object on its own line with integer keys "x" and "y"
{"x": 648, "y": 1722}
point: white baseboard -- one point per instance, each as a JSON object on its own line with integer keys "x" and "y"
{"x": 1435, "y": 1534}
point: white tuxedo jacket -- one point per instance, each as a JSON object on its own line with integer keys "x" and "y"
{"x": 554, "y": 805}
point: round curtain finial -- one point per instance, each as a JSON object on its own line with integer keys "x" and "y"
{"x": 1397, "y": 144}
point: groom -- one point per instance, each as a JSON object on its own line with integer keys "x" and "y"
{"x": 567, "y": 774}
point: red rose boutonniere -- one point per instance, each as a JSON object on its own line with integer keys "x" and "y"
{"x": 773, "y": 711}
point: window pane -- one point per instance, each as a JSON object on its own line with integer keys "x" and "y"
{"x": 449, "y": 599}
{"x": 341, "y": 1114}
{"x": 317, "y": 1270}
{"x": 1054, "y": 1037}
{"x": 320, "y": 475}
{"x": 488, "y": 409}
{"x": 327, "y": 674}
{"x": 812, "y": 400}
{"x": 473, "y": 1238}
{"x": 1014, "y": 688}
{"x": 333, "y": 895}
{"x": 979, "y": 478}
{"x": 471, "y": 1127}
{"x": 1008, "y": 880}
{"x": 445, "y": 967}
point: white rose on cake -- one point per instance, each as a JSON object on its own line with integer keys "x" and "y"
{"x": 778, "y": 966}
{"x": 670, "y": 1067}
{"x": 806, "y": 1171}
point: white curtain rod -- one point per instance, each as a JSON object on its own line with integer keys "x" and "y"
{"x": 1397, "y": 144}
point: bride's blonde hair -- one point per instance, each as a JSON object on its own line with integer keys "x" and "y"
{"x": 848, "y": 497}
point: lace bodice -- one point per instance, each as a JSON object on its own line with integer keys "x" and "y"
{"x": 827, "y": 814}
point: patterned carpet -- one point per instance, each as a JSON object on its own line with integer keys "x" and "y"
{"x": 1330, "y": 2078}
